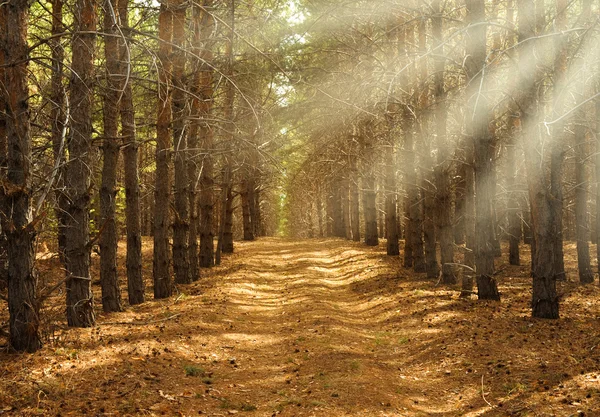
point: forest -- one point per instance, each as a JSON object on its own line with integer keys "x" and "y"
{"x": 300, "y": 207}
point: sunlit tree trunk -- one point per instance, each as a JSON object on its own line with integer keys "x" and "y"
{"x": 597, "y": 167}
{"x": 514, "y": 211}
{"x": 206, "y": 139}
{"x": 16, "y": 193}
{"x": 354, "y": 201}
{"x": 560, "y": 134}
{"x": 338, "y": 214}
{"x": 346, "y": 206}
{"x": 443, "y": 170}
{"x": 426, "y": 166}
{"x": 544, "y": 301}
{"x": 109, "y": 279}
{"x": 225, "y": 243}
{"x": 80, "y": 307}
{"x": 247, "y": 197}
{"x": 162, "y": 193}
{"x": 135, "y": 280}
{"x": 477, "y": 119}
{"x": 586, "y": 275}
{"x": 469, "y": 213}
{"x": 320, "y": 211}
{"x": 369, "y": 191}
{"x": 514, "y": 219}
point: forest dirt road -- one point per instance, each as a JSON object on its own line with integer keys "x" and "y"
{"x": 317, "y": 328}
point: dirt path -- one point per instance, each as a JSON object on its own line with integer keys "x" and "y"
{"x": 323, "y": 328}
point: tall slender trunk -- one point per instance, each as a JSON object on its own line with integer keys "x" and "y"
{"x": 478, "y": 119}
{"x": 80, "y": 308}
{"x": 206, "y": 138}
{"x": 135, "y": 279}
{"x": 597, "y": 167}
{"x": 225, "y": 244}
{"x": 181, "y": 217}
{"x": 162, "y": 194}
{"x": 3, "y": 157}
{"x": 443, "y": 203}
{"x": 586, "y": 275}
{"x": 560, "y": 139}
{"x": 514, "y": 214}
{"x": 338, "y": 215}
{"x": 16, "y": 193}
{"x": 544, "y": 301}
{"x": 109, "y": 278}
{"x": 58, "y": 120}
{"x": 514, "y": 211}
{"x": 369, "y": 192}
{"x": 255, "y": 212}
{"x": 428, "y": 189}
{"x": 320, "y": 211}
{"x": 391, "y": 221}
{"x": 354, "y": 202}
{"x": 247, "y": 197}
{"x": 469, "y": 213}
{"x": 345, "y": 195}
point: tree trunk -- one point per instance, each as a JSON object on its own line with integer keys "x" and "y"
{"x": 345, "y": 195}
{"x": 181, "y": 218}
{"x": 3, "y": 158}
{"x": 225, "y": 243}
{"x": 586, "y": 275}
{"x": 354, "y": 203}
{"x": 108, "y": 241}
{"x": 368, "y": 186}
{"x": 428, "y": 189}
{"x": 487, "y": 287}
{"x": 135, "y": 279}
{"x": 80, "y": 308}
{"x": 320, "y": 211}
{"x": 247, "y": 196}
{"x": 469, "y": 213}
{"x": 544, "y": 297}
{"x": 206, "y": 142}
{"x": 162, "y": 195}
{"x": 443, "y": 201}
{"x": 597, "y": 166}
{"x": 23, "y": 306}
{"x": 58, "y": 121}
{"x": 514, "y": 213}
{"x": 391, "y": 221}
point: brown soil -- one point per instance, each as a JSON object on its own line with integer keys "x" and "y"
{"x": 316, "y": 328}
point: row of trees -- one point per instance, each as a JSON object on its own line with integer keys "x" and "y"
{"x": 123, "y": 81}
{"x": 453, "y": 124}
{"x": 458, "y": 124}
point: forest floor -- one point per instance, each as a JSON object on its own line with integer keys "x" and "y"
{"x": 315, "y": 328}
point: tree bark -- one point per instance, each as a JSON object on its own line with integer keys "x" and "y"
{"x": 544, "y": 301}
{"x": 23, "y": 306}
{"x": 443, "y": 202}
{"x": 586, "y": 275}
{"x": 181, "y": 218}
{"x": 478, "y": 119}
{"x": 427, "y": 187}
{"x": 80, "y": 307}
{"x": 206, "y": 139}
{"x": 135, "y": 279}
{"x": 247, "y": 196}
{"x": 354, "y": 202}
{"x": 162, "y": 195}
{"x": 108, "y": 241}
{"x": 58, "y": 120}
